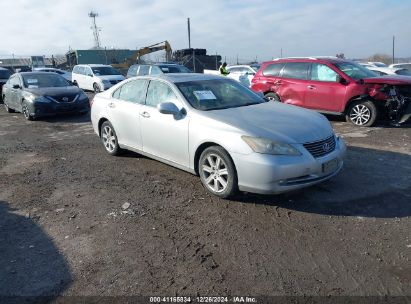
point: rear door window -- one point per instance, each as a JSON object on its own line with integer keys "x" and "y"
{"x": 133, "y": 91}
{"x": 273, "y": 69}
{"x": 296, "y": 70}
{"x": 132, "y": 71}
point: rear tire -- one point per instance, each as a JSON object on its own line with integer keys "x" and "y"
{"x": 272, "y": 97}
{"x": 362, "y": 113}
{"x": 8, "y": 110}
{"x": 217, "y": 172}
{"x": 109, "y": 139}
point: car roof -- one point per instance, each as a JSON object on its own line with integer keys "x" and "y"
{"x": 183, "y": 77}
{"x": 95, "y": 65}
{"x": 36, "y": 73}
{"x": 327, "y": 59}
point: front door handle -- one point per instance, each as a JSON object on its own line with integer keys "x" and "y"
{"x": 145, "y": 114}
{"x": 111, "y": 105}
{"x": 311, "y": 87}
{"x": 278, "y": 82}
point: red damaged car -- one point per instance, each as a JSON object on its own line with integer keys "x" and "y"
{"x": 335, "y": 86}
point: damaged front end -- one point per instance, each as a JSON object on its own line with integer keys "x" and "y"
{"x": 397, "y": 101}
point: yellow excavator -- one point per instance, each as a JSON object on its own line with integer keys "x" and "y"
{"x": 164, "y": 45}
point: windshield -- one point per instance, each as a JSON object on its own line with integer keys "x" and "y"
{"x": 380, "y": 64}
{"x": 256, "y": 67}
{"x": 354, "y": 70}
{"x": 44, "y": 80}
{"x": 99, "y": 71}
{"x": 174, "y": 69}
{"x": 217, "y": 94}
{"x": 5, "y": 74}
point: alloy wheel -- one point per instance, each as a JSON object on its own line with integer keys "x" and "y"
{"x": 109, "y": 139}
{"x": 360, "y": 114}
{"x": 215, "y": 172}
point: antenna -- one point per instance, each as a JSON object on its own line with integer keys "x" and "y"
{"x": 95, "y": 29}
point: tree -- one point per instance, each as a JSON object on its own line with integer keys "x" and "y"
{"x": 380, "y": 58}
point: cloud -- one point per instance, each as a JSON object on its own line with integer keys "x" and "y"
{"x": 232, "y": 27}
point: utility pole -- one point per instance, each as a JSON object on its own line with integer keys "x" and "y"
{"x": 216, "y": 61}
{"x": 95, "y": 29}
{"x": 393, "y": 49}
{"x": 12, "y": 63}
{"x": 237, "y": 59}
{"x": 189, "y": 33}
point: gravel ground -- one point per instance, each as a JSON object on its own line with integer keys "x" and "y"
{"x": 76, "y": 221}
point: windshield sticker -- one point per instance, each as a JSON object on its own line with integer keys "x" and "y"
{"x": 32, "y": 80}
{"x": 204, "y": 95}
{"x": 31, "y": 86}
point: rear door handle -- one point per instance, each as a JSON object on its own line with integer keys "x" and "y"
{"x": 111, "y": 105}
{"x": 311, "y": 87}
{"x": 145, "y": 114}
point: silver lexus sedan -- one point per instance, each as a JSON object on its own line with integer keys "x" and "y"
{"x": 216, "y": 128}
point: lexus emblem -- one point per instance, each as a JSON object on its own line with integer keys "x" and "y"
{"x": 326, "y": 147}
{"x": 65, "y": 99}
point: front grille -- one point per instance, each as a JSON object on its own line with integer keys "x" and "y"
{"x": 63, "y": 99}
{"x": 322, "y": 147}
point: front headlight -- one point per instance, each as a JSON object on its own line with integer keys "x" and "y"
{"x": 82, "y": 96}
{"x": 34, "y": 98}
{"x": 268, "y": 146}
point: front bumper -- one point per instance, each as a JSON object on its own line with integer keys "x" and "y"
{"x": 40, "y": 109}
{"x": 274, "y": 174}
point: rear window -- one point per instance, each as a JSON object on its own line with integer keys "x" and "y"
{"x": 296, "y": 70}
{"x": 144, "y": 70}
{"x": 273, "y": 69}
{"x": 132, "y": 71}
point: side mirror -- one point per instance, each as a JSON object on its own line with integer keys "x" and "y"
{"x": 341, "y": 79}
{"x": 90, "y": 75}
{"x": 168, "y": 108}
{"x": 16, "y": 86}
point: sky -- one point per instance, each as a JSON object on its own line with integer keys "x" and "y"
{"x": 247, "y": 29}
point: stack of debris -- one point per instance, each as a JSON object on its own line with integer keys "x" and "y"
{"x": 197, "y": 59}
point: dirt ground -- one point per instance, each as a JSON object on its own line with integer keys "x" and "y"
{"x": 63, "y": 228}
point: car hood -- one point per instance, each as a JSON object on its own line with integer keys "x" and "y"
{"x": 394, "y": 80}
{"x": 275, "y": 121}
{"x": 111, "y": 77}
{"x": 55, "y": 92}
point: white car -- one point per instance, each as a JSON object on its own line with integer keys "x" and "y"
{"x": 390, "y": 71}
{"x": 95, "y": 77}
{"x": 243, "y": 73}
{"x": 65, "y": 74}
{"x": 401, "y": 65}
{"x": 217, "y": 128}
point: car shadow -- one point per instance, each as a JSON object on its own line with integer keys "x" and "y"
{"x": 31, "y": 265}
{"x": 68, "y": 118}
{"x": 383, "y": 123}
{"x": 373, "y": 183}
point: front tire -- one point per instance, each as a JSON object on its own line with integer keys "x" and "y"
{"x": 109, "y": 139}
{"x": 26, "y": 111}
{"x": 217, "y": 172}
{"x": 362, "y": 113}
{"x": 96, "y": 88}
{"x": 272, "y": 97}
